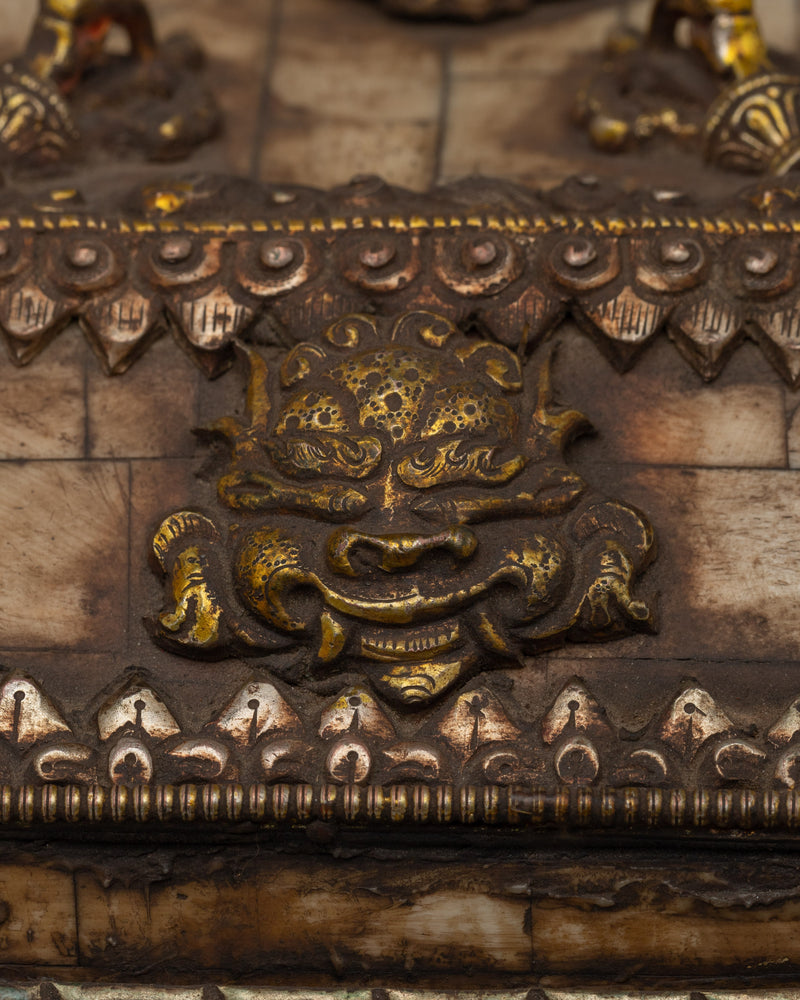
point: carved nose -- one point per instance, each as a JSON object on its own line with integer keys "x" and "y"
{"x": 399, "y": 551}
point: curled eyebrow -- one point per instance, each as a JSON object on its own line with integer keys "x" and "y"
{"x": 256, "y": 491}
{"x": 456, "y": 461}
{"x": 324, "y": 453}
{"x": 558, "y": 491}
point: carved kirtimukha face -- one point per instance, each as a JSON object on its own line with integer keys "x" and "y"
{"x": 403, "y": 511}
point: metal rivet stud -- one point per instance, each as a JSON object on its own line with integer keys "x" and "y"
{"x": 83, "y": 255}
{"x": 482, "y": 253}
{"x": 761, "y": 261}
{"x": 377, "y": 255}
{"x": 176, "y": 249}
{"x": 276, "y": 256}
{"x": 675, "y": 252}
{"x": 580, "y": 253}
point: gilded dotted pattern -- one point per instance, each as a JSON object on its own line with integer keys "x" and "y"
{"x": 311, "y": 411}
{"x": 389, "y": 387}
{"x": 468, "y": 408}
{"x": 392, "y": 390}
{"x": 271, "y": 551}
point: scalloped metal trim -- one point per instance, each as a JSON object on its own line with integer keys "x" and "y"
{"x": 627, "y": 268}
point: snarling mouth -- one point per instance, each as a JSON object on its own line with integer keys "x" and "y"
{"x": 276, "y": 585}
{"x": 419, "y": 644}
{"x": 409, "y": 608}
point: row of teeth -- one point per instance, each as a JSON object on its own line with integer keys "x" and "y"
{"x": 411, "y": 645}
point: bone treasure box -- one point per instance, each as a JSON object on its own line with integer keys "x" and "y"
{"x": 398, "y": 486}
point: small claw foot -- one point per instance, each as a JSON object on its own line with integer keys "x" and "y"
{"x": 609, "y": 608}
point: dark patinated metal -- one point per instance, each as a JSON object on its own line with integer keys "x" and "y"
{"x": 214, "y": 260}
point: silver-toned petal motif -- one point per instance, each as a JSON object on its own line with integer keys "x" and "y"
{"x": 212, "y": 320}
{"x": 26, "y": 715}
{"x": 692, "y": 718}
{"x": 413, "y": 762}
{"x": 577, "y": 762}
{"x": 285, "y": 760}
{"x": 653, "y": 764}
{"x": 130, "y": 762}
{"x": 777, "y": 331}
{"x": 627, "y": 321}
{"x": 200, "y": 759}
{"x": 574, "y": 710}
{"x": 258, "y": 709}
{"x": 475, "y": 719}
{"x": 355, "y": 711}
{"x": 739, "y": 760}
{"x": 31, "y": 317}
{"x": 121, "y": 325}
{"x": 65, "y": 762}
{"x": 138, "y": 708}
{"x": 787, "y": 769}
{"x": 349, "y": 762}
{"x": 787, "y": 726}
{"x": 706, "y": 330}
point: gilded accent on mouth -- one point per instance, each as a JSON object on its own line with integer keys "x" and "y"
{"x": 415, "y": 683}
{"x": 419, "y": 645}
{"x": 405, "y": 609}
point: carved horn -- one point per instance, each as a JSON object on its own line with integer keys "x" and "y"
{"x": 177, "y": 527}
